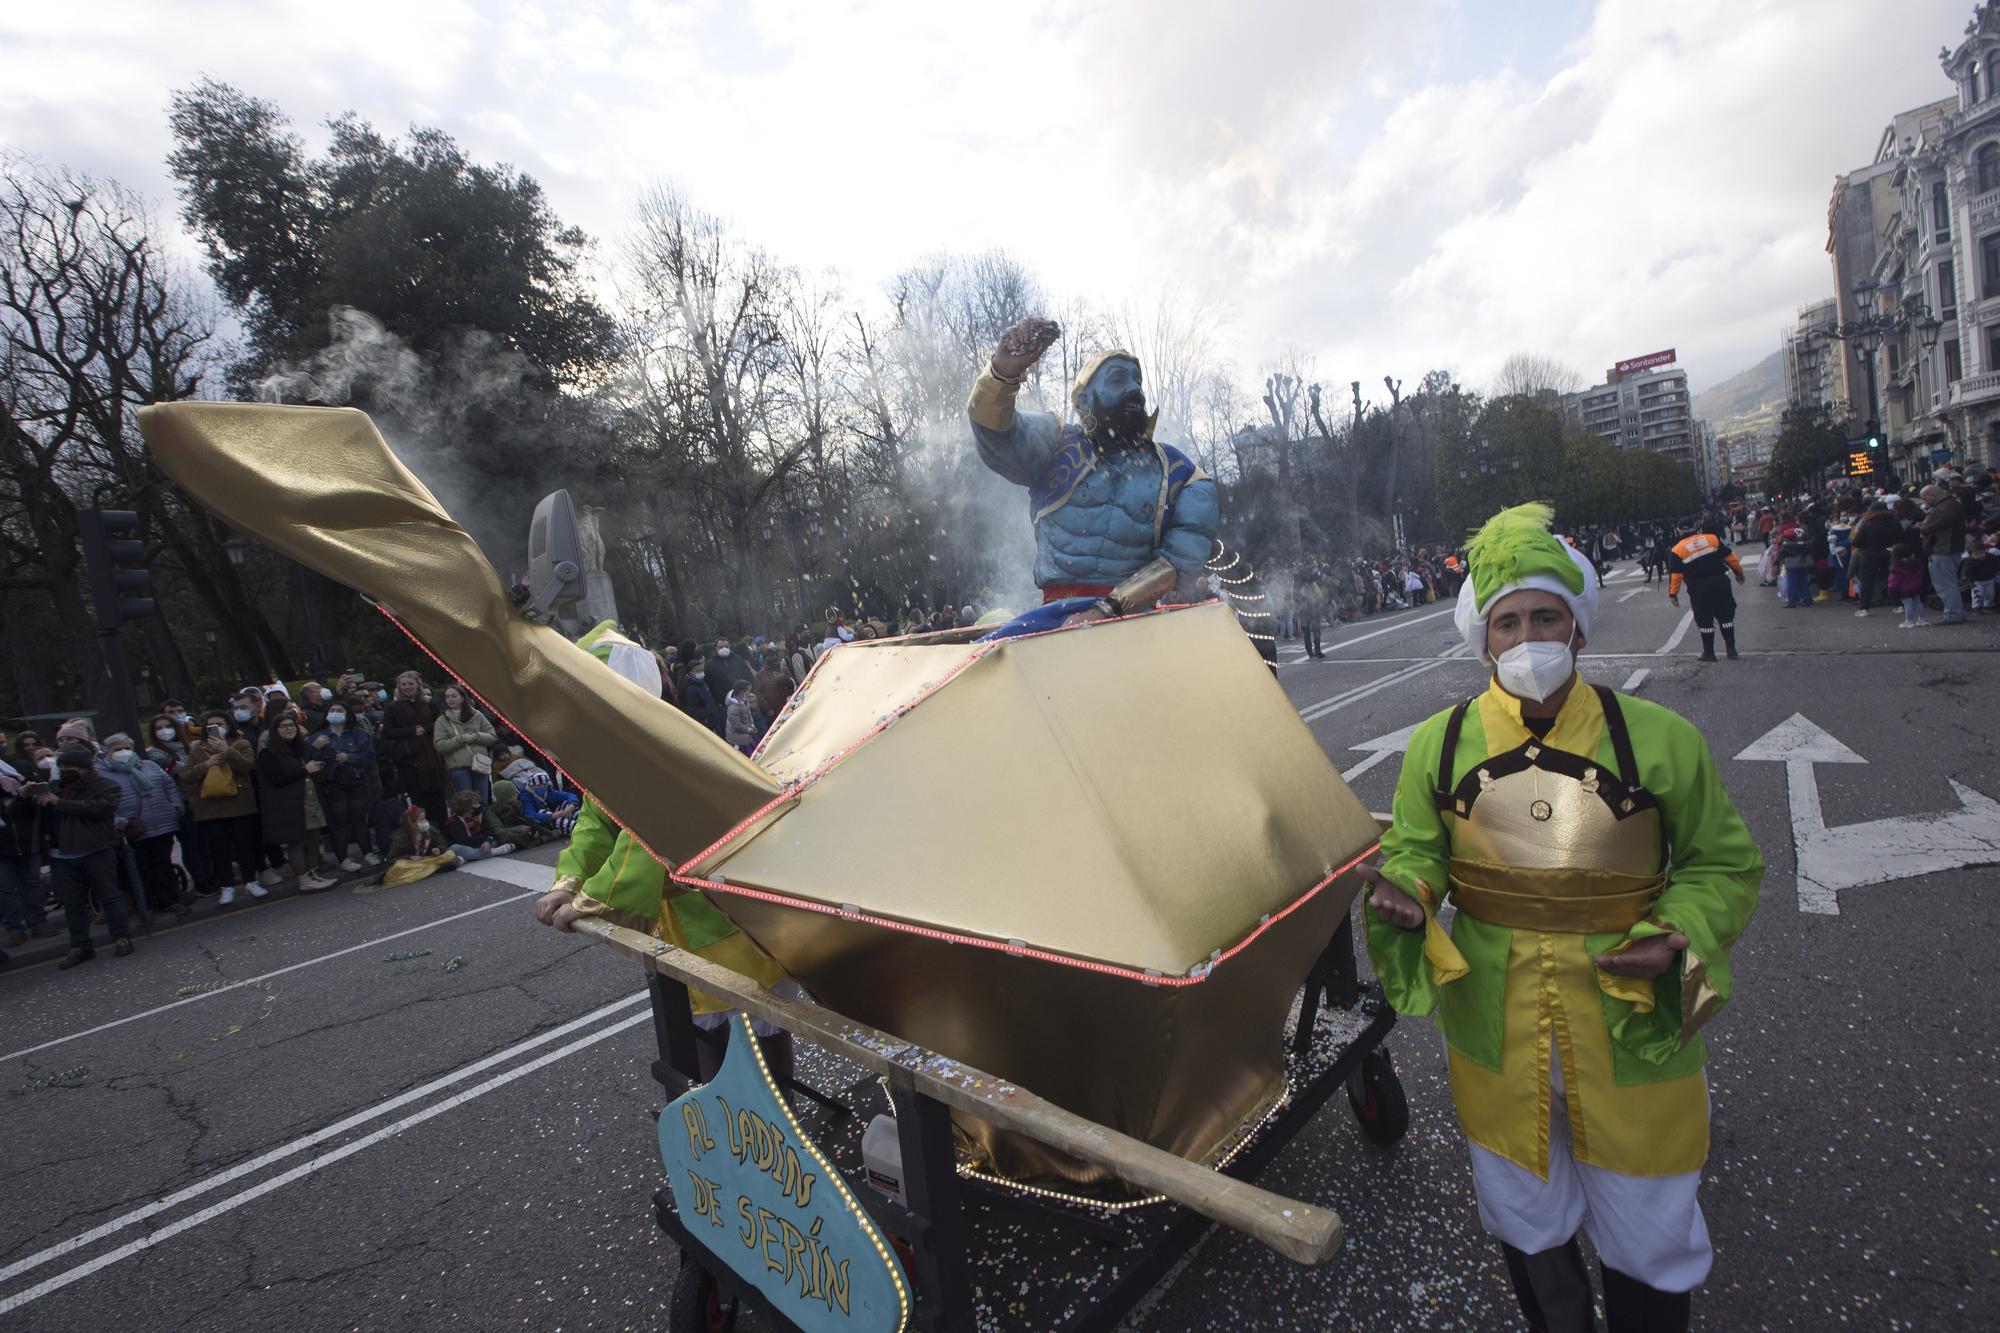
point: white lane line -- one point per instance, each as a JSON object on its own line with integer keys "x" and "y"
{"x": 515, "y": 872}
{"x": 1376, "y": 686}
{"x": 1349, "y": 774}
{"x": 304, "y": 1169}
{"x": 1630, "y": 595}
{"x": 299, "y": 1145}
{"x": 1674, "y": 639}
{"x": 1633, "y": 681}
{"x": 1333, "y": 647}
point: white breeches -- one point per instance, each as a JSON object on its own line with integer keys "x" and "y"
{"x": 1647, "y": 1227}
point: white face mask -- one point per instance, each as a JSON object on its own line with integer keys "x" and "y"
{"x": 48, "y": 765}
{"x": 336, "y": 717}
{"x": 165, "y": 733}
{"x": 125, "y": 757}
{"x": 242, "y": 715}
{"x": 1535, "y": 669}
{"x": 423, "y": 826}
{"x": 723, "y": 651}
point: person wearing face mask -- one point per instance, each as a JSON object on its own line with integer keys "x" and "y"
{"x": 417, "y": 851}
{"x": 219, "y": 783}
{"x": 407, "y": 737}
{"x": 149, "y": 815}
{"x": 1600, "y": 876}
{"x": 172, "y": 742}
{"x": 286, "y": 766}
{"x": 698, "y": 698}
{"x": 82, "y": 807}
{"x": 348, "y": 753}
{"x": 724, "y": 668}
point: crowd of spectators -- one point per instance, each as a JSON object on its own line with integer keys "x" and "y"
{"x": 302, "y": 783}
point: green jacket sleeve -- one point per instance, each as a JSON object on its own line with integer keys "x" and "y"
{"x": 589, "y": 844}
{"x": 1415, "y": 965}
{"x": 1713, "y": 876}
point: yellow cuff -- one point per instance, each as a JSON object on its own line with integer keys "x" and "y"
{"x": 1447, "y": 963}
{"x": 585, "y": 905}
{"x": 992, "y": 402}
{"x": 567, "y": 884}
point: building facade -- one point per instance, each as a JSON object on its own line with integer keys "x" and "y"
{"x": 1647, "y": 410}
{"x": 1930, "y": 266}
{"x": 1815, "y": 362}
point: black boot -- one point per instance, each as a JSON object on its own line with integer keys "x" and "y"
{"x": 1553, "y": 1288}
{"x": 1707, "y": 645}
{"x": 1729, "y": 640}
{"x": 1630, "y": 1306}
{"x": 76, "y": 956}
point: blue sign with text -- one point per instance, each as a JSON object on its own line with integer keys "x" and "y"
{"x": 757, "y": 1191}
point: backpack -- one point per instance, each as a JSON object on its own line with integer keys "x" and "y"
{"x": 1795, "y": 553}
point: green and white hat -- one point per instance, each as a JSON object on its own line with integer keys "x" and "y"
{"x": 1516, "y": 551}
{"x": 604, "y": 642}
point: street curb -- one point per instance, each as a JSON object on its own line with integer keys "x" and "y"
{"x": 206, "y": 908}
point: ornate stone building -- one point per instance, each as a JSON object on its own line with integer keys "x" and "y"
{"x": 1916, "y": 234}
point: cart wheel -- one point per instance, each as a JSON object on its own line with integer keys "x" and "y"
{"x": 1376, "y": 1095}
{"x": 697, "y": 1304}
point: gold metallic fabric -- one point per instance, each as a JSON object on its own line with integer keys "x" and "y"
{"x": 319, "y": 485}
{"x": 992, "y": 402}
{"x": 1138, "y": 792}
{"x": 1583, "y": 902}
{"x": 1579, "y": 830}
{"x": 1146, "y": 587}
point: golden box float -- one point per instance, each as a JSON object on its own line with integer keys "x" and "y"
{"x": 1096, "y": 861}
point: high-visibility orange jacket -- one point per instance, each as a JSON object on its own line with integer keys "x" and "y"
{"x": 1702, "y": 555}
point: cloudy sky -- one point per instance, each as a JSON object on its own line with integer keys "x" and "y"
{"x": 1382, "y": 187}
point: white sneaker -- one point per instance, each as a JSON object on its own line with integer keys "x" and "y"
{"x": 256, "y": 890}
{"x": 1862, "y": 612}
{"x": 350, "y": 865}
{"x": 227, "y": 896}
{"x": 503, "y": 849}
{"x": 1907, "y": 624}
{"x": 268, "y": 876}
{"x": 371, "y": 860}
{"x": 314, "y": 883}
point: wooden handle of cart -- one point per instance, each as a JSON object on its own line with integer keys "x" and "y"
{"x": 1300, "y": 1231}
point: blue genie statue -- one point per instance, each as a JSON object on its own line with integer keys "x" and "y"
{"x": 1119, "y": 517}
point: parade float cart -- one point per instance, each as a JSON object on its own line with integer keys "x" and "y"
{"x": 1076, "y": 900}
{"x": 970, "y": 1251}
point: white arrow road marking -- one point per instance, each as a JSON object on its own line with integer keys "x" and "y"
{"x": 1315, "y": 712}
{"x": 1633, "y": 681}
{"x": 1674, "y": 639}
{"x": 1880, "y": 850}
{"x": 1634, "y": 593}
{"x": 1383, "y": 746}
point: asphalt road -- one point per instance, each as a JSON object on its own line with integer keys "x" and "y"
{"x": 337, "y": 1140}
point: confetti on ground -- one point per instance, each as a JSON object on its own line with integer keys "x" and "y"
{"x": 202, "y": 987}
{"x": 453, "y": 963}
{"x": 406, "y": 957}
{"x": 69, "y": 1075}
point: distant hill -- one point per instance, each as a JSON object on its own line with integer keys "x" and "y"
{"x": 1748, "y": 403}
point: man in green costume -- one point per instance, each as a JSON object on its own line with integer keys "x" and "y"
{"x": 1599, "y": 875}
{"x": 606, "y": 872}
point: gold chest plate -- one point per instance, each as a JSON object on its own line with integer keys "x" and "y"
{"x": 1538, "y": 819}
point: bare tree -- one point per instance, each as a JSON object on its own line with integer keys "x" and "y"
{"x": 94, "y": 323}
{"x": 1529, "y": 374}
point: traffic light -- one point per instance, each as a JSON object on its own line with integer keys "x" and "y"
{"x": 1874, "y": 434}
{"x": 121, "y": 589}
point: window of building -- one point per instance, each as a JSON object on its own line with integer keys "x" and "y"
{"x": 1895, "y": 359}
{"x": 1986, "y": 167}
{"x": 1940, "y": 212}
{"x": 1972, "y": 87}
{"x": 1947, "y": 290}
{"x": 1952, "y": 369}
{"x": 1992, "y": 350}
{"x": 1990, "y": 67}
{"x": 1989, "y": 265}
